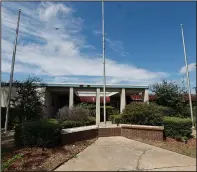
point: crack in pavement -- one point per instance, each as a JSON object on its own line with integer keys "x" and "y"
{"x": 143, "y": 153}
{"x": 140, "y": 157}
{"x": 168, "y": 167}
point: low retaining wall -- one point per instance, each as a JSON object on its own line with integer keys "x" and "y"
{"x": 72, "y": 135}
{"x": 142, "y": 132}
{"x": 107, "y": 132}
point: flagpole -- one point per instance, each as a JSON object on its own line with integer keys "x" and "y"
{"x": 12, "y": 73}
{"x": 104, "y": 77}
{"x": 187, "y": 75}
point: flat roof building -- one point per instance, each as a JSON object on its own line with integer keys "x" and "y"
{"x": 58, "y": 95}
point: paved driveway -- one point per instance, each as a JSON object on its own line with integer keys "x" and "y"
{"x": 122, "y": 154}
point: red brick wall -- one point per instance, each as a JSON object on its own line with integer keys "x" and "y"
{"x": 79, "y": 136}
{"x": 107, "y": 132}
{"x": 149, "y": 134}
{"x": 128, "y": 131}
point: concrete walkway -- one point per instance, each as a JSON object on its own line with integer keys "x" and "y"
{"x": 122, "y": 154}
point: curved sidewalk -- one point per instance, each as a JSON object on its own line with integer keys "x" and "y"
{"x": 122, "y": 154}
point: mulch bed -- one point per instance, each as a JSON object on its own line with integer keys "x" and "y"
{"x": 188, "y": 149}
{"x": 36, "y": 159}
{"x": 190, "y": 142}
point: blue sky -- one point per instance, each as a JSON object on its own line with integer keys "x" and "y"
{"x": 143, "y": 41}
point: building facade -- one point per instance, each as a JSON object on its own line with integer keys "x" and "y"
{"x": 59, "y": 95}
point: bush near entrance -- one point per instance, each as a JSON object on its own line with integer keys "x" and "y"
{"x": 142, "y": 114}
{"x": 116, "y": 119}
{"x": 72, "y": 124}
{"x": 172, "y": 95}
{"x": 44, "y": 133}
{"x": 177, "y": 128}
{"x": 28, "y": 100}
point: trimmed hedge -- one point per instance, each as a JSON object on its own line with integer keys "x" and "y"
{"x": 142, "y": 114}
{"x": 38, "y": 133}
{"x": 45, "y": 133}
{"x": 177, "y": 128}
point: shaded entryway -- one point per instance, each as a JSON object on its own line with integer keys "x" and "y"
{"x": 122, "y": 154}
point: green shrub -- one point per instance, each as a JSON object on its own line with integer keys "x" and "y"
{"x": 38, "y": 133}
{"x": 142, "y": 114}
{"x": 194, "y": 110}
{"x": 177, "y": 128}
{"x": 194, "y": 114}
{"x": 73, "y": 124}
{"x": 116, "y": 119}
{"x": 195, "y": 121}
{"x": 113, "y": 113}
{"x": 28, "y": 99}
{"x": 91, "y": 121}
{"x": 110, "y": 110}
{"x": 90, "y": 107}
{"x": 52, "y": 120}
{"x": 107, "y": 107}
{"x": 166, "y": 111}
{"x": 87, "y": 105}
{"x": 111, "y": 118}
{"x": 73, "y": 114}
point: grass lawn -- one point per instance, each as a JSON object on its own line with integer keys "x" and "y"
{"x": 42, "y": 160}
{"x": 188, "y": 149}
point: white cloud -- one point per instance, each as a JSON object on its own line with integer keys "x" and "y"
{"x": 48, "y": 12}
{"x": 59, "y": 53}
{"x": 114, "y": 45}
{"x": 191, "y": 68}
{"x": 6, "y": 67}
{"x": 117, "y": 46}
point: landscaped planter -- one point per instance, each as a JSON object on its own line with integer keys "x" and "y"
{"x": 107, "y": 132}
{"x": 72, "y": 135}
{"x": 142, "y": 132}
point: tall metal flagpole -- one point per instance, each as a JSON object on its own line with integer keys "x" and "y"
{"x": 104, "y": 78}
{"x": 12, "y": 73}
{"x": 187, "y": 74}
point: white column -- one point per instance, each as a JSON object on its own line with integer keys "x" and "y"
{"x": 97, "y": 106}
{"x": 71, "y": 97}
{"x": 146, "y": 96}
{"x": 122, "y": 100}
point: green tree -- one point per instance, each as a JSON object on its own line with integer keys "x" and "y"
{"x": 171, "y": 95}
{"x": 28, "y": 99}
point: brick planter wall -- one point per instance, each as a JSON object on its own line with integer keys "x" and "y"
{"x": 107, "y": 132}
{"x": 129, "y": 131}
{"x": 70, "y": 138}
{"x": 142, "y": 132}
